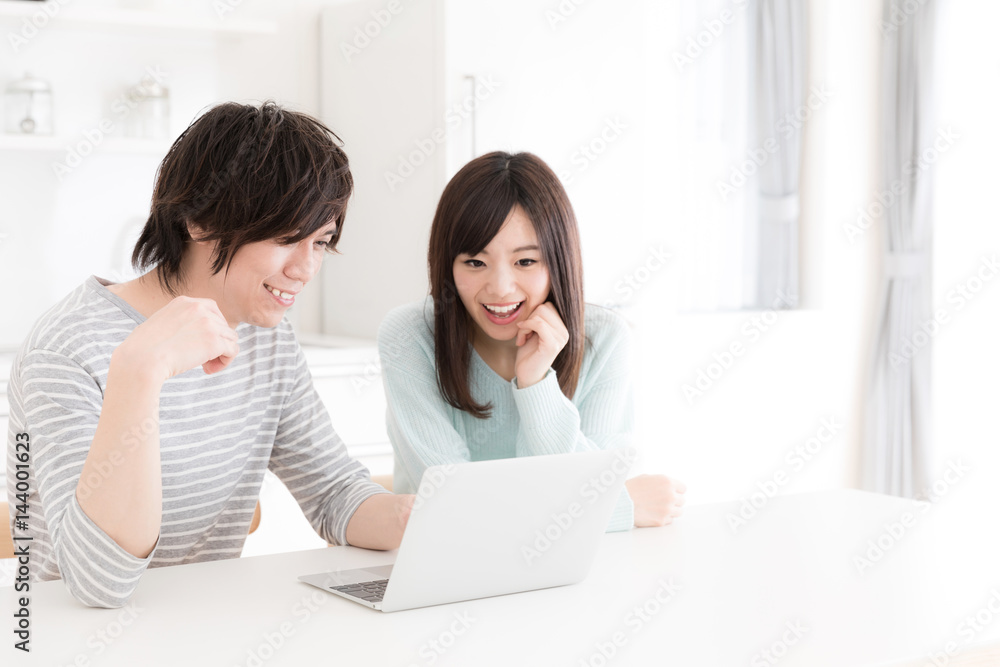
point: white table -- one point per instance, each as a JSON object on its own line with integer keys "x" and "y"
{"x": 786, "y": 582}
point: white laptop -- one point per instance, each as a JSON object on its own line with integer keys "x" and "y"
{"x": 492, "y": 528}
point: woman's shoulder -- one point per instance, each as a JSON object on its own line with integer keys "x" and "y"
{"x": 607, "y": 349}
{"x": 408, "y": 328}
{"x": 604, "y": 327}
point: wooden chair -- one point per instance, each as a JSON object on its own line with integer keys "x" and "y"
{"x": 6, "y": 541}
{"x": 255, "y": 521}
{"x": 384, "y": 480}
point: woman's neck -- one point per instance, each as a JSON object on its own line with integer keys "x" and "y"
{"x": 499, "y": 355}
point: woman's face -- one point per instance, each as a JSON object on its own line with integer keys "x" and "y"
{"x": 504, "y": 283}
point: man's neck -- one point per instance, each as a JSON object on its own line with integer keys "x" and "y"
{"x": 145, "y": 293}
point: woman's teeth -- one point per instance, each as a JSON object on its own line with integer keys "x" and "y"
{"x": 503, "y": 310}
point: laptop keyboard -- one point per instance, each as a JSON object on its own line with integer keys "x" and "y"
{"x": 369, "y": 591}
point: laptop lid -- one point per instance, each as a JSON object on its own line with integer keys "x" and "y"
{"x": 496, "y": 527}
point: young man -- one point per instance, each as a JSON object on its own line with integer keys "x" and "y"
{"x": 154, "y": 407}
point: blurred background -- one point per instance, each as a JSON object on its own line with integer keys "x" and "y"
{"x": 727, "y": 161}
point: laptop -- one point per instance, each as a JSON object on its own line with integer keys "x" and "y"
{"x": 491, "y": 528}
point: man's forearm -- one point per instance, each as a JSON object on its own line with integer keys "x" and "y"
{"x": 120, "y": 488}
{"x": 379, "y": 521}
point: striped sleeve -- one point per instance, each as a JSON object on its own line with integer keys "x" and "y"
{"x": 312, "y": 461}
{"x": 60, "y": 404}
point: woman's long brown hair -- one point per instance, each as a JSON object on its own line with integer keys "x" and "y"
{"x": 474, "y": 206}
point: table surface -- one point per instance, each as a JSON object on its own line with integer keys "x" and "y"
{"x": 787, "y": 588}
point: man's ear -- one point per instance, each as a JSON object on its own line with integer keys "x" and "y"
{"x": 196, "y": 233}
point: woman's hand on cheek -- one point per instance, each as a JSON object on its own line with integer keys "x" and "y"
{"x": 540, "y": 339}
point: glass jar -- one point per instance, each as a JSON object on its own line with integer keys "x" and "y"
{"x": 28, "y": 106}
{"x": 154, "y": 111}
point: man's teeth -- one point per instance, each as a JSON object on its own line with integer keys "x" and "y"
{"x": 503, "y": 310}
{"x": 278, "y": 293}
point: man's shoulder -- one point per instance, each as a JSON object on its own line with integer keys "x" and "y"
{"x": 78, "y": 320}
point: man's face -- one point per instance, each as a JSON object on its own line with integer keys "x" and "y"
{"x": 265, "y": 278}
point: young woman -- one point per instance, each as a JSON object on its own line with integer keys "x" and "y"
{"x": 150, "y": 410}
{"x": 504, "y": 359}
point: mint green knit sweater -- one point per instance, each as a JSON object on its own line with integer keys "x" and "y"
{"x": 426, "y": 431}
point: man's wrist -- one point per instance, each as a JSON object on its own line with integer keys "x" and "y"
{"x": 144, "y": 371}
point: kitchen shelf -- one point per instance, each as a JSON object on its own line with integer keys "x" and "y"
{"x": 130, "y": 19}
{"x": 60, "y": 144}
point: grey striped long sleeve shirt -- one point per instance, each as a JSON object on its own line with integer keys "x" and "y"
{"x": 218, "y": 435}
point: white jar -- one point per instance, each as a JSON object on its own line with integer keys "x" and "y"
{"x": 28, "y": 106}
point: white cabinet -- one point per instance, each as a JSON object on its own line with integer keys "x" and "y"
{"x": 349, "y": 382}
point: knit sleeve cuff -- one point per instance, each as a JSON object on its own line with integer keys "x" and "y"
{"x": 623, "y": 518}
{"x": 542, "y": 403}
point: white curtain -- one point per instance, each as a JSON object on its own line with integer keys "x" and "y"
{"x": 896, "y": 448}
{"x": 780, "y": 60}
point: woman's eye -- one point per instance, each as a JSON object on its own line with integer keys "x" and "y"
{"x": 474, "y": 263}
{"x": 322, "y": 244}
{"x": 526, "y": 262}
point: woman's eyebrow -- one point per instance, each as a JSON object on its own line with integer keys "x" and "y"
{"x": 523, "y": 248}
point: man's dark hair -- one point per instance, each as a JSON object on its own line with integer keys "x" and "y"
{"x": 244, "y": 174}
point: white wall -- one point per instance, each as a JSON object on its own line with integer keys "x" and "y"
{"x": 560, "y": 83}
{"x": 809, "y": 365}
